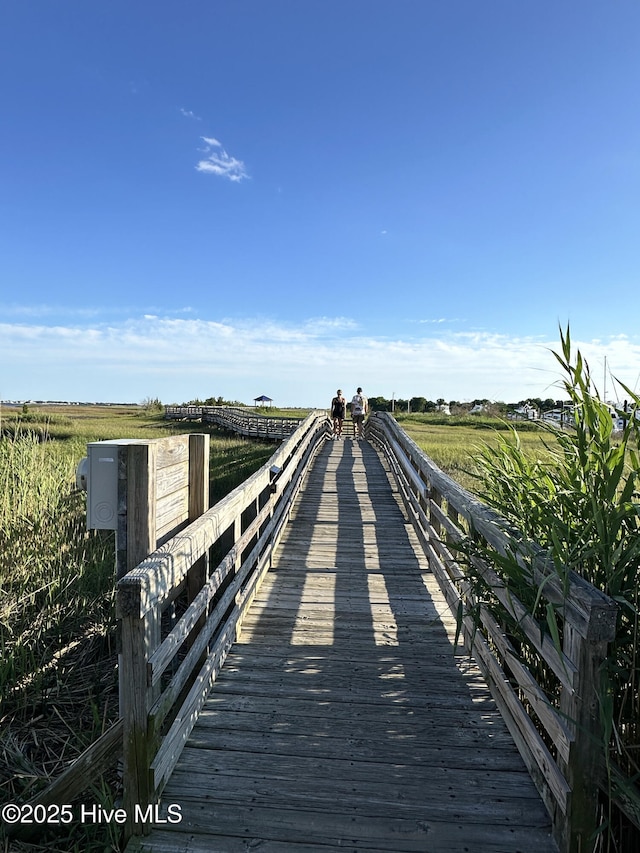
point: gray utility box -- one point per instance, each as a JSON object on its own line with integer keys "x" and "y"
{"x": 98, "y": 474}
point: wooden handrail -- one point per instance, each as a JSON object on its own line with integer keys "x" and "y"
{"x": 445, "y": 515}
{"x": 238, "y": 420}
{"x": 242, "y": 531}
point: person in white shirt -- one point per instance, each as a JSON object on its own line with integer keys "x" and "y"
{"x": 359, "y": 407}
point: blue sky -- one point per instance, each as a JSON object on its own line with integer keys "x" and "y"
{"x": 290, "y": 196}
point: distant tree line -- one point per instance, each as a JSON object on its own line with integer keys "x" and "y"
{"x": 542, "y": 405}
{"x": 152, "y": 404}
{"x": 213, "y": 401}
{"x": 456, "y": 407}
{"x": 417, "y": 405}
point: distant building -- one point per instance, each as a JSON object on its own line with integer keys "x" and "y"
{"x": 262, "y": 400}
{"x": 526, "y": 413}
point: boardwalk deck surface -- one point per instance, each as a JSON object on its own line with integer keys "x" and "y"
{"x": 343, "y": 719}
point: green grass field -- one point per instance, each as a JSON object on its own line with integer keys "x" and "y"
{"x": 453, "y": 442}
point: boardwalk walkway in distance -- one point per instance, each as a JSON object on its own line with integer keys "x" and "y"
{"x": 343, "y": 720}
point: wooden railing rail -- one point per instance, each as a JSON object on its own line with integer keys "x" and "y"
{"x": 183, "y": 413}
{"x": 210, "y": 571}
{"x": 557, "y": 729}
{"x": 239, "y": 420}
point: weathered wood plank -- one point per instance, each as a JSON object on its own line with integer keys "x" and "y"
{"x": 171, "y": 510}
{"x": 172, "y": 478}
{"x": 236, "y": 711}
{"x": 472, "y": 803}
{"x": 171, "y": 451}
{"x": 165, "y": 842}
{"x": 237, "y": 762}
{"x": 465, "y": 747}
{"x": 290, "y": 828}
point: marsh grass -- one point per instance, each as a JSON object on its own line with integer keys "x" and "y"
{"x": 276, "y": 412}
{"x": 58, "y": 684}
{"x": 581, "y": 501}
{"x": 453, "y": 442}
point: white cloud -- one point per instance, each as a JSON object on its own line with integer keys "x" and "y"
{"x": 438, "y": 320}
{"x": 44, "y": 310}
{"x": 323, "y": 325}
{"x": 178, "y": 358}
{"x": 190, "y": 114}
{"x": 218, "y": 162}
{"x": 86, "y": 312}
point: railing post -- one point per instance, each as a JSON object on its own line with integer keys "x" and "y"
{"x": 138, "y": 787}
{"x": 198, "y": 504}
{"x": 581, "y": 710}
{"x": 139, "y": 634}
{"x": 141, "y": 502}
{"x": 136, "y": 525}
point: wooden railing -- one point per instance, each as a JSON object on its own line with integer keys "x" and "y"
{"x": 557, "y": 730}
{"x": 238, "y": 420}
{"x": 209, "y": 572}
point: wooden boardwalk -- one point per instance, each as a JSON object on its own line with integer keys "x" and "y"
{"x": 343, "y": 719}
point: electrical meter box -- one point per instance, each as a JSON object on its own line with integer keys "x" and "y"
{"x": 98, "y": 474}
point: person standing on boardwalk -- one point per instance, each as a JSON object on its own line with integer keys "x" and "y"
{"x": 338, "y": 411}
{"x": 359, "y": 406}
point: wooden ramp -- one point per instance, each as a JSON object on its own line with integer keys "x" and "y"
{"x": 343, "y": 720}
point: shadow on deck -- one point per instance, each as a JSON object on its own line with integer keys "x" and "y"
{"x": 343, "y": 719}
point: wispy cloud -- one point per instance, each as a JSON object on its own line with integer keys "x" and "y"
{"x": 439, "y": 320}
{"x": 217, "y": 162}
{"x": 178, "y": 358}
{"x": 190, "y": 114}
{"x": 324, "y": 325}
{"x": 45, "y": 310}
{"x": 67, "y": 313}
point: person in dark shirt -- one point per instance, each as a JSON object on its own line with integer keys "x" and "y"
{"x": 338, "y": 412}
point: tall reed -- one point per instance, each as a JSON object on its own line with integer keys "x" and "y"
{"x": 54, "y": 576}
{"x": 582, "y": 502}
